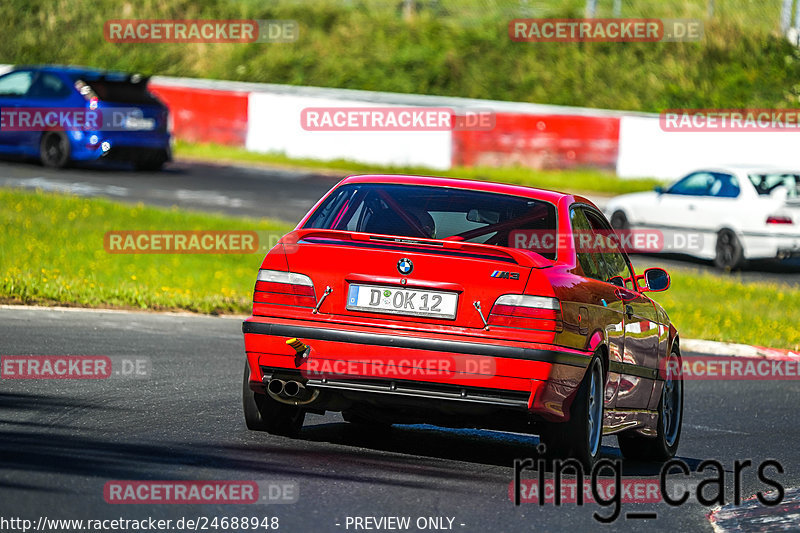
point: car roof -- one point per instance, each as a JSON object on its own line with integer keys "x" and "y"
{"x": 73, "y": 70}
{"x": 747, "y": 169}
{"x": 553, "y": 197}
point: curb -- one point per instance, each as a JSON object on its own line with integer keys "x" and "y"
{"x": 730, "y": 349}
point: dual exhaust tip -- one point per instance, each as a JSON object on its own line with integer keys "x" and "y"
{"x": 285, "y": 389}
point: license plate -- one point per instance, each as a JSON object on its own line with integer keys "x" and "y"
{"x": 393, "y": 300}
{"x": 141, "y": 124}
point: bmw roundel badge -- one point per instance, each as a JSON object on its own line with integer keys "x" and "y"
{"x": 405, "y": 266}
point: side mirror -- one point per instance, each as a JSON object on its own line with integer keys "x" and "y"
{"x": 617, "y": 280}
{"x": 656, "y": 279}
{"x": 659, "y": 189}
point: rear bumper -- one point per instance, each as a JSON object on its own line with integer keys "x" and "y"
{"x": 123, "y": 147}
{"x": 768, "y": 245}
{"x": 437, "y": 368}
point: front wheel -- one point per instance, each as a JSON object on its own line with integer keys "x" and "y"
{"x": 670, "y": 420}
{"x": 619, "y": 221}
{"x": 580, "y": 437}
{"x": 54, "y": 149}
{"x": 262, "y": 413}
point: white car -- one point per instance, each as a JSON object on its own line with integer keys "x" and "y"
{"x": 728, "y": 214}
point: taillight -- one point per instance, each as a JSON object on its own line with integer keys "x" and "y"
{"x": 529, "y": 312}
{"x": 284, "y": 288}
{"x": 779, "y": 219}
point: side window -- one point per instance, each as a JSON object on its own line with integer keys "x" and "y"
{"x": 15, "y": 84}
{"x": 590, "y": 262}
{"x": 724, "y": 186}
{"x": 698, "y": 184}
{"x": 49, "y": 87}
{"x": 615, "y": 262}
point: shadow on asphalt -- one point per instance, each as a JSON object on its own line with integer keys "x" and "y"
{"x": 417, "y": 452}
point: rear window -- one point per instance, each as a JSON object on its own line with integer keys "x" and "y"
{"x": 433, "y": 213}
{"x": 119, "y": 89}
{"x": 765, "y": 184}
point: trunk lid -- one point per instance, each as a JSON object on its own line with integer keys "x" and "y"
{"x": 472, "y": 272}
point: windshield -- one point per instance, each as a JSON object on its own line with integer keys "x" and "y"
{"x": 765, "y": 184}
{"x": 432, "y": 213}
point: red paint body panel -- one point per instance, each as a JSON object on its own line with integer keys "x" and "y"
{"x": 206, "y": 115}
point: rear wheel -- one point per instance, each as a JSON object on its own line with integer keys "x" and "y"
{"x": 54, "y": 149}
{"x": 262, "y": 413}
{"x": 580, "y": 437}
{"x": 729, "y": 251}
{"x": 670, "y": 420}
{"x": 619, "y": 220}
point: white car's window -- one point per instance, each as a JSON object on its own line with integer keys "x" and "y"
{"x": 696, "y": 184}
{"x": 766, "y": 183}
{"x": 707, "y": 184}
{"x": 724, "y": 186}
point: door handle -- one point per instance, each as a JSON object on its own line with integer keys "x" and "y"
{"x": 629, "y": 311}
{"x": 691, "y": 207}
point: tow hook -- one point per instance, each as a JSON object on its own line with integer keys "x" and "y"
{"x": 303, "y": 350}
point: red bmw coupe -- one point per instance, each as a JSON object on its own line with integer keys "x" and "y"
{"x": 405, "y": 299}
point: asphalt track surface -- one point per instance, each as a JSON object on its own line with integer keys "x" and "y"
{"x": 259, "y": 191}
{"x": 62, "y": 440}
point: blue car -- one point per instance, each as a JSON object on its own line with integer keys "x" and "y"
{"x": 134, "y": 127}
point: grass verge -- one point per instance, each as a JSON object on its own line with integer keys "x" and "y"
{"x": 51, "y": 252}
{"x": 579, "y": 180}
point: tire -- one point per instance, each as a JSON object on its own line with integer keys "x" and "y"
{"x": 729, "y": 252}
{"x": 151, "y": 164}
{"x": 262, "y": 413}
{"x": 670, "y": 421}
{"x": 619, "y": 221}
{"x": 54, "y": 149}
{"x": 581, "y": 436}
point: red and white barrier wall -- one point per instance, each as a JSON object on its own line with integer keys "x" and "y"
{"x": 266, "y": 118}
{"x": 274, "y": 126}
{"x": 206, "y": 115}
